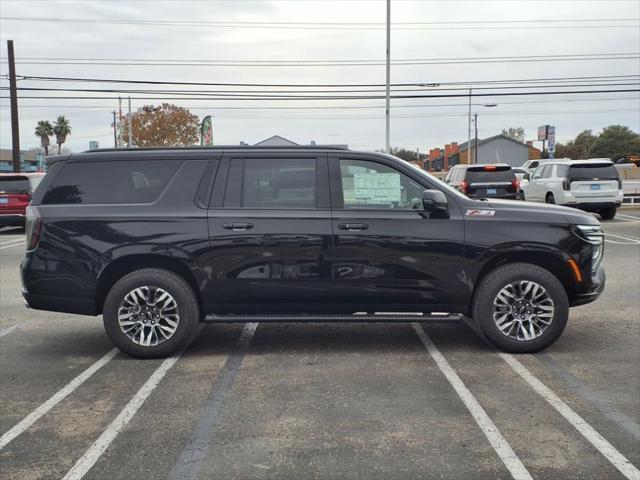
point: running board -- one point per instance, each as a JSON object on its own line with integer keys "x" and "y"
{"x": 356, "y": 317}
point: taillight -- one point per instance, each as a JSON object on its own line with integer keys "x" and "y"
{"x": 463, "y": 186}
{"x": 515, "y": 184}
{"x": 32, "y": 227}
{"x": 566, "y": 184}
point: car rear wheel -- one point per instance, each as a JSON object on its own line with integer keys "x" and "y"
{"x": 550, "y": 199}
{"x": 151, "y": 313}
{"x": 608, "y": 213}
{"x": 521, "y": 308}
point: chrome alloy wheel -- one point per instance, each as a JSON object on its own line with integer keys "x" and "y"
{"x": 523, "y": 310}
{"x": 148, "y": 316}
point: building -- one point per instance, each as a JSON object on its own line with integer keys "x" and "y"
{"x": 496, "y": 149}
{"x": 30, "y": 160}
{"x": 278, "y": 141}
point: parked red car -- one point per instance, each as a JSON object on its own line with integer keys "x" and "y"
{"x": 15, "y": 195}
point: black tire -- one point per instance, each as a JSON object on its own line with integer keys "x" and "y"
{"x": 608, "y": 213}
{"x": 550, "y": 199}
{"x": 177, "y": 287}
{"x": 492, "y": 284}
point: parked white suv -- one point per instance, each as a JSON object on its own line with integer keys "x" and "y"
{"x": 592, "y": 185}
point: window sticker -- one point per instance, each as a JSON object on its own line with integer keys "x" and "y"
{"x": 377, "y": 187}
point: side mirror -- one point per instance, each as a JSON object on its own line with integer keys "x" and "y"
{"x": 434, "y": 201}
{"x": 526, "y": 176}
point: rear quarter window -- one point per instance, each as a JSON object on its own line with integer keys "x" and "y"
{"x": 600, "y": 171}
{"x": 138, "y": 181}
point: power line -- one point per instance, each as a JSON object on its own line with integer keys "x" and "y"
{"x": 370, "y": 97}
{"x": 336, "y": 63}
{"x": 347, "y": 85}
{"x": 443, "y": 25}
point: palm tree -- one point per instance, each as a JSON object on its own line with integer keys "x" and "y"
{"x": 61, "y": 128}
{"x": 43, "y": 130}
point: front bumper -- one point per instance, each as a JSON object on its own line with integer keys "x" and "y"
{"x": 591, "y": 293}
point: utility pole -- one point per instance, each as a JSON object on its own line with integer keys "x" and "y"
{"x": 13, "y": 96}
{"x": 130, "y": 126}
{"x": 388, "y": 96}
{"x": 469, "y": 131}
{"x": 115, "y": 131}
{"x": 475, "y": 122}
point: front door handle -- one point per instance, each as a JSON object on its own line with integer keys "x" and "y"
{"x": 237, "y": 227}
{"x": 353, "y": 227}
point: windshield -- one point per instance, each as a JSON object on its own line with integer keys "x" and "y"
{"x": 585, "y": 171}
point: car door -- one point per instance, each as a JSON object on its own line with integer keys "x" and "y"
{"x": 388, "y": 253}
{"x": 270, "y": 233}
{"x": 534, "y": 189}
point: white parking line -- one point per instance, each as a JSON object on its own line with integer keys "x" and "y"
{"x": 22, "y": 242}
{"x": 498, "y": 442}
{"x": 623, "y": 237}
{"x": 34, "y": 416}
{"x": 95, "y": 451}
{"x": 10, "y": 329}
{"x": 588, "y": 432}
{"x": 626, "y": 215}
{"x": 11, "y": 240}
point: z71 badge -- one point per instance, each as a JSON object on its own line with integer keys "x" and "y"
{"x": 471, "y": 212}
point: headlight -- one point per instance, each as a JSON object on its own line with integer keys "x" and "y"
{"x": 595, "y": 236}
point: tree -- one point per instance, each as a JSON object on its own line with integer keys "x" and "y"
{"x": 403, "y": 153}
{"x": 516, "y": 133}
{"x": 44, "y": 130}
{"x": 578, "y": 147}
{"x": 61, "y": 129}
{"x": 164, "y": 126}
{"x": 615, "y": 141}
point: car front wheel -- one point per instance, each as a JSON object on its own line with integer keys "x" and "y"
{"x": 521, "y": 308}
{"x": 151, "y": 313}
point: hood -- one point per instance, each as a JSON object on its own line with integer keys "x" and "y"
{"x": 542, "y": 211}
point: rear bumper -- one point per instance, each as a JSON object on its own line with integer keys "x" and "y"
{"x": 594, "y": 206}
{"x": 58, "y": 304}
{"x": 590, "y": 294}
{"x": 11, "y": 219}
{"x": 510, "y": 196}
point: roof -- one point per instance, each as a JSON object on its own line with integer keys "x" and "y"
{"x": 481, "y": 165}
{"x": 569, "y": 161}
{"x": 463, "y": 146}
{"x": 276, "y": 141}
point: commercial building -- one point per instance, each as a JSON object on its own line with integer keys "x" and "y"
{"x": 496, "y": 149}
{"x": 30, "y": 160}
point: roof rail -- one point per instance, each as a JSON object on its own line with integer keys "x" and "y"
{"x": 224, "y": 147}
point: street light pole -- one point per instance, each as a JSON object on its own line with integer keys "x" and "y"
{"x": 469, "y": 131}
{"x": 475, "y": 123}
{"x": 388, "y": 95}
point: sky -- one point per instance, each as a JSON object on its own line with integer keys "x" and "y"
{"x": 453, "y": 41}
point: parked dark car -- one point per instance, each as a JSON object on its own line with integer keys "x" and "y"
{"x": 159, "y": 240}
{"x": 15, "y": 194}
{"x": 485, "y": 181}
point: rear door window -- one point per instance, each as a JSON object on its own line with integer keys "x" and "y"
{"x": 275, "y": 183}
{"x": 14, "y": 184}
{"x": 593, "y": 171}
{"x": 126, "y": 181}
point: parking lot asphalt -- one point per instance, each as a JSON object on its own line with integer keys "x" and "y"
{"x": 292, "y": 401}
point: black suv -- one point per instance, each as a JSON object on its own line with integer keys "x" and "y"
{"x": 485, "y": 181}
{"x": 159, "y": 240}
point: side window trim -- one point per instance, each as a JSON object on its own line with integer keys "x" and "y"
{"x": 203, "y": 193}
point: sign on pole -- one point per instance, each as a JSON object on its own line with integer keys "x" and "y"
{"x": 94, "y": 145}
{"x": 543, "y": 132}
{"x": 206, "y": 135}
{"x": 551, "y": 137}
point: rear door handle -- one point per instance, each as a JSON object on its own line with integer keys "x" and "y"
{"x": 237, "y": 227}
{"x": 353, "y": 227}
